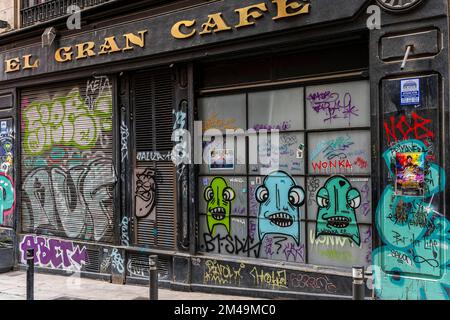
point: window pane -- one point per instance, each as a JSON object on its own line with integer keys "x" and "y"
{"x": 290, "y": 153}
{"x": 363, "y": 212}
{"x": 339, "y": 251}
{"x": 278, "y": 109}
{"x": 222, "y": 159}
{"x": 341, "y": 105}
{"x": 225, "y": 112}
{"x": 339, "y": 152}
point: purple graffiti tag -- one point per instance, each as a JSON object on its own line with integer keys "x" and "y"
{"x": 268, "y": 246}
{"x": 333, "y": 105}
{"x": 366, "y": 200}
{"x": 54, "y": 253}
{"x": 297, "y": 252}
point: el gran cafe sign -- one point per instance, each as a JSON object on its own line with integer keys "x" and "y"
{"x": 181, "y": 30}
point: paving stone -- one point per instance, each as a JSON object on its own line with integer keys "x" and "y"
{"x": 57, "y": 287}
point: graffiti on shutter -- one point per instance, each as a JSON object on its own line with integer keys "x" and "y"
{"x": 68, "y": 176}
{"x": 155, "y": 173}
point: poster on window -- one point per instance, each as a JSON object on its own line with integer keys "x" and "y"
{"x": 221, "y": 159}
{"x": 410, "y": 174}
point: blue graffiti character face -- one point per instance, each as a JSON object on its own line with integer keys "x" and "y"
{"x": 280, "y": 199}
{"x": 337, "y": 201}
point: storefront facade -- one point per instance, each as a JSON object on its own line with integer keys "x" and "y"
{"x": 91, "y": 124}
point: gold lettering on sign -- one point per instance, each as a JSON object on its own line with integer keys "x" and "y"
{"x": 27, "y": 64}
{"x": 176, "y": 29}
{"x": 215, "y": 24}
{"x": 250, "y": 12}
{"x": 134, "y": 39}
{"x": 12, "y": 65}
{"x": 109, "y": 46}
{"x": 64, "y": 54}
{"x": 293, "y": 7}
{"x": 85, "y": 50}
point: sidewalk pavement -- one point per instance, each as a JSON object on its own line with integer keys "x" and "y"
{"x": 57, "y": 287}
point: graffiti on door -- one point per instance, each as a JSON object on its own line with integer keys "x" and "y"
{"x": 145, "y": 193}
{"x": 413, "y": 262}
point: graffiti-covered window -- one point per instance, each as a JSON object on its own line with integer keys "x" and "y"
{"x": 315, "y": 206}
{"x": 67, "y": 170}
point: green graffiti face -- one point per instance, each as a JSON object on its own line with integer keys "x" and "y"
{"x": 337, "y": 201}
{"x": 219, "y": 197}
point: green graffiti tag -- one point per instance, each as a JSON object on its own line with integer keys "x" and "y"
{"x": 65, "y": 121}
{"x": 337, "y": 201}
{"x": 219, "y": 197}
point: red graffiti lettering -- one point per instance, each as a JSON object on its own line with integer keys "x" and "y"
{"x": 402, "y": 129}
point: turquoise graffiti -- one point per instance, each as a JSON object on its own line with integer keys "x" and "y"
{"x": 280, "y": 199}
{"x": 65, "y": 121}
{"x": 337, "y": 201}
{"x": 413, "y": 262}
{"x": 7, "y": 197}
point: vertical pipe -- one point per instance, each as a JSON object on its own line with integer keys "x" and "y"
{"x": 30, "y": 274}
{"x": 358, "y": 283}
{"x": 153, "y": 261}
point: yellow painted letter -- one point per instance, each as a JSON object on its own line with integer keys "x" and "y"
{"x": 85, "y": 50}
{"x": 134, "y": 39}
{"x": 12, "y": 65}
{"x": 109, "y": 46}
{"x": 64, "y": 54}
{"x": 176, "y": 32}
{"x": 294, "y": 7}
{"x": 215, "y": 24}
{"x": 27, "y": 62}
{"x": 247, "y": 12}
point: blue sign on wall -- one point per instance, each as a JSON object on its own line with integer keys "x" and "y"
{"x": 410, "y": 92}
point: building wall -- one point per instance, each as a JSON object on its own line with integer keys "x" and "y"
{"x": 7, "y": 13}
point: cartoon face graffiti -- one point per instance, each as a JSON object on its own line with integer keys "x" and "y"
{"x": 219, "y": 197}
{"x": 337, "y": 201}
{"x": 280, "y": 199}
{"x": 145, "y": 193}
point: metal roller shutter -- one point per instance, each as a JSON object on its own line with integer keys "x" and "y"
{"x": 67, "y": 170}
{"x": 155, "y": 181}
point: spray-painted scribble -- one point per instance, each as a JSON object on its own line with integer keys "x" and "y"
{"x": 96, "y": 89}
{"x": 124, "y": 135}
{"x": 117, "y": 261}
{"x": 333, "y": 106}
{"x": 124, "y": 229}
